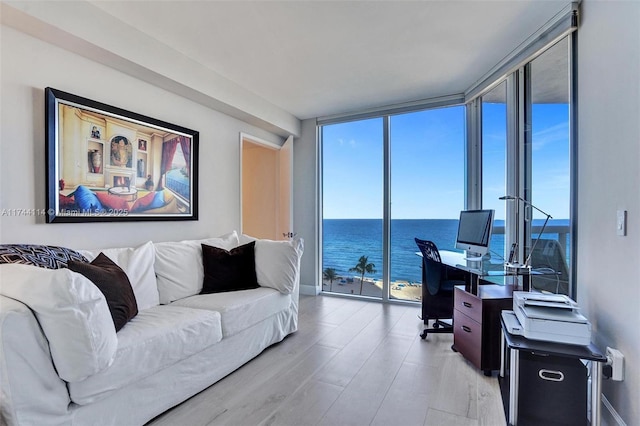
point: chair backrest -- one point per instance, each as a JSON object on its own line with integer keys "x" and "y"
{"x": 432, "y": 265}
{"x": 428, "y": 250}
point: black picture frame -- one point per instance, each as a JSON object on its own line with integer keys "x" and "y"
{"x": 97, "y": 170}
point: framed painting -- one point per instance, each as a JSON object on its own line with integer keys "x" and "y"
{"x": 107, "y": 164}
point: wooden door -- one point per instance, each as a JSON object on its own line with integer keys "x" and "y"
{"x": 266, "y": 188}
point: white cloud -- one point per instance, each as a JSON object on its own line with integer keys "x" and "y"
{"x": 550, "y": 135}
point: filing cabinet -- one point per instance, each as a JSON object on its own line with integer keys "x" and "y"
{"x": 476, "y": 322}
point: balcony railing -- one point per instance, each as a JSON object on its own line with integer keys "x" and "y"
{"x": 563, "y": 231}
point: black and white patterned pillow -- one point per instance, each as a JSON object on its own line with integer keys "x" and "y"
{"x": 51, "y": 257}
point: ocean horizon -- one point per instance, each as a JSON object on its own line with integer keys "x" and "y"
{"x": 345, "y": 240}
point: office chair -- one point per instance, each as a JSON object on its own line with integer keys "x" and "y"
{"x": 437, "y": 290}
{"x": 548, "y": 259}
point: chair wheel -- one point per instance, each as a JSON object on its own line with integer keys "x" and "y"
{"x": 436, "y": 325}
{"x": 423, "y": 335}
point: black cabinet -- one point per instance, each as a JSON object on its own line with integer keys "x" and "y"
{"x": 547, "y": 383}
{"x": 556, "y": 389}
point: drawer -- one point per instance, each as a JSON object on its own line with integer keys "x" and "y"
{"x": 467, "y": 338}
{"x": 468, "y": 304}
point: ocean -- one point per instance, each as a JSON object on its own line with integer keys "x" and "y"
{"x": 345, "y": 240}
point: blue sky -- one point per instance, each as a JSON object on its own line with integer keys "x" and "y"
{"x": 427, "y": 164}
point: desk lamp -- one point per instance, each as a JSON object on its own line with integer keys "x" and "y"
{"x": 515, "y": 197}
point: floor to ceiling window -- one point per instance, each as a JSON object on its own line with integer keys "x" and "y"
{"x": 352, "y": 207}
{"x": 427, "y": 190}
{"x": 547, "y": 166}
{"x": 424, "y": 189}
{"x": 494, "y": 162}
{"x": 389, "y": 178}
{"x": 532, "y": 165}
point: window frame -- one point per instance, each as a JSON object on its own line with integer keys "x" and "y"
{"x": 511, "y": 69}
{"x": 518, "y": 85}
{"x": 385, "y": 114}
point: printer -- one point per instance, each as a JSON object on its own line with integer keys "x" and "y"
{"x": 548, "y": 317}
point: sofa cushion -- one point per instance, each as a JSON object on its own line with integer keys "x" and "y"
{"x": 138, "y": 265}
{"x": 155, "y": 339}
{"x": 239, "y": 309}
{"x": 277, "y": 262}
{"x": 226, "y": 270}
{"x": 52, "y": 257}
{"x": 114, "y": 284}
{"x": 178, "y": 265}
{"x": 72, "y": 312}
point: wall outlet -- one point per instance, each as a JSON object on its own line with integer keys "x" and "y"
{"x": 616, "y": 360}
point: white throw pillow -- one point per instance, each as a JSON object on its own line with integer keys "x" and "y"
{"x": 137, "y": 263}
{"x": 277, "y": 262}
{"x": 178, "y": 265}
{"x": 73, "y": 314}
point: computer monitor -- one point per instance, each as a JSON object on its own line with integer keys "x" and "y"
{"x": 474, "y": 232}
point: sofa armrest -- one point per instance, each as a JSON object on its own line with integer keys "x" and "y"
{"x": 30, "y": 389}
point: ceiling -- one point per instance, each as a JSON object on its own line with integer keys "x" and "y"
{"x": 319, "y": 58}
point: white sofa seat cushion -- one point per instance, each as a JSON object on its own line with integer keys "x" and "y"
{"x": 240, "y": 309}
{"x": 156, "y": 338}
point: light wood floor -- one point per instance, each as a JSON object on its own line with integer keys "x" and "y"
{"x": 351, "y": 362}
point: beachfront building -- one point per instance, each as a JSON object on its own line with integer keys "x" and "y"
{"x": 400, "y": 115}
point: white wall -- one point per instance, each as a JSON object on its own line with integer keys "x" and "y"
{"x": 28, "y": 65}
{"x": 609, "y": 179}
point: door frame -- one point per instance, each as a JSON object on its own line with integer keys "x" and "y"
{"x": 245, "y": 137}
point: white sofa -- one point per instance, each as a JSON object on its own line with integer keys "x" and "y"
{"x": 178, "y": 344}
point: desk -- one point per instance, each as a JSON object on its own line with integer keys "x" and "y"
{"x": 488, "y": 271}
{"x": 477, "y": 307}
{"x": 552, "y": 351}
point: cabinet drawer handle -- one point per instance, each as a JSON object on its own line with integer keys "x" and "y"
{"x": 467, "y": 304}
{"x": 465, "y": 328}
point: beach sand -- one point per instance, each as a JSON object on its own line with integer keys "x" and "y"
{"x": 402, "y": 290}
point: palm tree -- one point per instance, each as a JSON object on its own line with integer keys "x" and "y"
{"x": 363, "y": 267}
{"x": 330, "y": 274}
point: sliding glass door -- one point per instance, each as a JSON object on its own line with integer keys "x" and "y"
{"x": 548, "y": 168}
{"x": 526, "y": 153}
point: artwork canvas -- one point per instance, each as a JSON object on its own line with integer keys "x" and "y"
{"x": 133, "y": 167}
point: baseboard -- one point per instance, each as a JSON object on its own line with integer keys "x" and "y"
{"x": 610, "y": 416}
{"x": 309, "y": 290}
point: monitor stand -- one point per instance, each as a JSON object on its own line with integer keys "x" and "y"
{"x": 472, "y": 258}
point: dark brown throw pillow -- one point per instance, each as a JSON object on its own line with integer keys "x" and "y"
{"x": 228, "y": 270}
{"x": 114, "y": 284}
